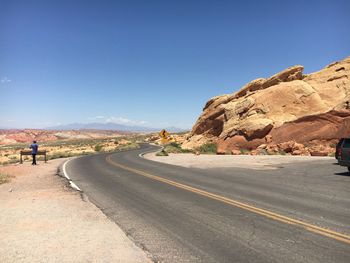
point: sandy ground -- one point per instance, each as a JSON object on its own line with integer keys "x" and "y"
{"x": 43, "y": 220}
{"x": 257, "y": 162}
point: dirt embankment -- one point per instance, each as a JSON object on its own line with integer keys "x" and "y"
{"x": 43, "y": 220}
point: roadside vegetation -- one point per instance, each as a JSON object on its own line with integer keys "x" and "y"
{"x": 208, "y": 148}
{"x": 331, "y": 154}
{"x": 245, "y": 151}
{"x": 175, "y": 148}
{"x": 68, "y": 148}
{"x": 162, "y": 153}
{"x": 4, "y": 178}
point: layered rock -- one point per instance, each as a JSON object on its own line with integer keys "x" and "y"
{"x": 288, "y": 106}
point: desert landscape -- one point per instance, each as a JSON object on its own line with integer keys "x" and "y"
{"x": 13, "y": 136}
{"x": 290, "y": 113}
{"x": 61, "y": 144}
{"x": 174, "y": 131}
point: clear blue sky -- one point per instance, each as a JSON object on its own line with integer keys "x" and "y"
{"x": 153, "y": 63}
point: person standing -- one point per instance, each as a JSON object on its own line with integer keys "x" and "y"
{"x": 34, "y": 146}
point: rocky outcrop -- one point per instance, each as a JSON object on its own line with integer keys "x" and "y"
{"x": 289, "y": 74}
{"x": 287, "y": 107}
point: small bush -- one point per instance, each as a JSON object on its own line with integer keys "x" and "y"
{"x": 331, "y": 154}
{"x": 186, "y": 151}
{"x": 175, "y": 148}
{"x": 175, "y": 144}
{"x": 98, "y": 148}
{"x": 171, "y": 149}
{"x": 246, "y": 151}
{"x": 262, "y": 152}
{"x": 162, "y": 153}
{"x": 210, "y": 148}
{"x": 281, "y": 152}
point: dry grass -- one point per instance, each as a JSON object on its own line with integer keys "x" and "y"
{"x": 4, "y": 178}
{"x": 68, "y": 148}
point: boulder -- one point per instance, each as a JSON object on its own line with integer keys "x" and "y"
{"x": 195, "y": 142}
{"x": 287, "y": 147}
{"x": 272, "y": 149}
{"x": 235, "y": 152}
{"x": 256, "y": 128}
{"x": 318, "y": 153}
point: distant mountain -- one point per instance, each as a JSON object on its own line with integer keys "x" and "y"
{"x": 110, "y": 126}
{"x": 7, "y": 128}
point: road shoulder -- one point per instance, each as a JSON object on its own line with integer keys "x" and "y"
{"x": 207, "y": 161}
{"x": 44, "y": 220}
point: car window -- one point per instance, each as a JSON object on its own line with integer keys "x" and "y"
{"x": 346, "y": 143}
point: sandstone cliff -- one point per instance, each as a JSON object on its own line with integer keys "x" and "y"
{"x": 287, "y": 107}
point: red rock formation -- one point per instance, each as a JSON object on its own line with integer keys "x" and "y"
{"x": 287, "y": 107}
{"x": 325, "y": 126}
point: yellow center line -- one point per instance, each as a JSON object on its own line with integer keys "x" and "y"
{"x": 256, "y": 210}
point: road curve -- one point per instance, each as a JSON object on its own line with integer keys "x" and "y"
{"x": 292, "y": 214}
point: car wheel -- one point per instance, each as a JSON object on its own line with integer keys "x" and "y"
{"x": 349, "y": 169}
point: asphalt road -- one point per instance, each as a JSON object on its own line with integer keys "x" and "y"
{"x": 297, "y": 213}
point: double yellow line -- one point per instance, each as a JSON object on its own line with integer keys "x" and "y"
{"x": 256, "y": 210}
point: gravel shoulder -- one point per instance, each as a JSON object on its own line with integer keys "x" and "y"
{"x": 44, "y": 220}
{"x": 257, "y": 162}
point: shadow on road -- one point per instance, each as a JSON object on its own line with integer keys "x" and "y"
{"x": 343, "y": 174}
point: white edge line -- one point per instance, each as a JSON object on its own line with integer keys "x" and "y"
{"x": 71, "y": 183}
{"x": 64, "y": 169}
{"x": 142, "y": 154}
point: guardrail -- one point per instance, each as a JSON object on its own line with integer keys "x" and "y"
{"x": 30, "y": 153}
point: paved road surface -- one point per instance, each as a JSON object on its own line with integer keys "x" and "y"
{"x": 298, "y": 213}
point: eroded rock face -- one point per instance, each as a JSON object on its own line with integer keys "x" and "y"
{"x": 289, "y": 74}
{"x": 288, "y": 106}
{"x": 325, "y": 126}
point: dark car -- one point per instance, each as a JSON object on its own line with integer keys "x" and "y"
{"x": 344, "y": 153}
{"x": 337, "y": 148}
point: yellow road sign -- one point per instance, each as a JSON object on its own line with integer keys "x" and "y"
{"x": 164, "y": 134}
